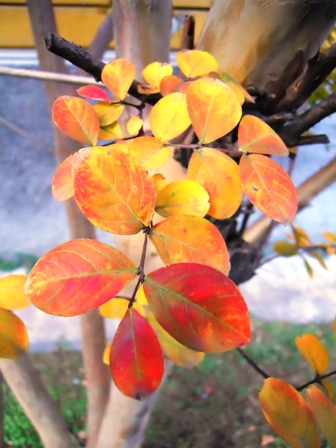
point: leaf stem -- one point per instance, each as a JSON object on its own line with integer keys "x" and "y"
{"x": 252, "y": 363}
{"x": 141, "y": 271}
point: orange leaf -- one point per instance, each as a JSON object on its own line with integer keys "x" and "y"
{"x": 12, "y": 296}
{"x": 118, "y": 76}
{"x": 190, "y": 239}
{"x": 238, "y": 89}
{"x": 113, "y": 190}
{"x": 155, "y": 72}
{"x": 288, "y": 414}
{"x": 78, "y": 276}
{"x": 108, "y": 113}
{"x": 13, "y": 335}
{"x": 324, "y": 412}
{"x": 183, "y": 197}
{"x": 62, "y": 183}
{"x": 170, "y": 84}
{"x": 257, "y": 137}
{"x": 213, "y": 108}
{"x": 134, "y": 125}
{"x": 150, "y": 152}
{"x": 312, "y": 349}
{"x": 194, "y": 63}
{"x": 268, "y": 187}
{"x": 198, "y": 306}
{"x": 93, "y": 93}
{"x": 136, "y": 359}
{"x": 169, "y": 117}
{"x": 328, "y": 386}
{"x": 76, "y": 118}
{"x": 219, "y": 175}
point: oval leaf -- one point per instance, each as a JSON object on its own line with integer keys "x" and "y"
{"x": 213, "y": 108}
{"x": 12, "y": 296}
{"x": 62, "y": 184}
{"x": 113, "y": 190}
{"x": 268, "y": 187}
{"x": 285, "y": 249}
{"x": 76, "y": 118}
{"x": 170, "y": 84}
{"x": 314, "y": 352}
{"x": 183, "y": 197}
{"x": 136, "y": 359}
{"x": 108, "y": 113}
{"x": 155, "y": 72}
{"x": 93, "y": 93}
{"x": 169, "y": 117}
{"x": 257, "y": 137}
{"x": 110, "y": 132}
{"x": 198, "y": 306}
{"x": 219, "y": 175}
{"x": 150, "y": 152}
{"x": 288, "y": 414}
{"x": 118, "y": 76}
{"x": 134, "y": 125}
{"x": 194, "y": 63}
{"x": 13, "y": 335}
{"x": 190, "y": 239}
{"x": 78, "y": 276}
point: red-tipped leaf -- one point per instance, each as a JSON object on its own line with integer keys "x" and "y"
{"x": 62, "y": 184}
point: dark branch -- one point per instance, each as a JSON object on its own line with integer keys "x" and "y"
{"x": 94, "y": 67}
{"x": 252, "y": 363}
{"x": 317, "y": 379}
{"x": 188, "y": 33}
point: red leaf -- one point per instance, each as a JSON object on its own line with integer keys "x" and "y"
{"x": 93, "y": 93}
{"x": 198, "y": 306}
{"x": 136, "y": 359}
{"x": 62, "y": 183}
{"x": 78, "y": 276}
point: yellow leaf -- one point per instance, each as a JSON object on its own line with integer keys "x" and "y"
{"x": 213, "y": 109}
{"x": 106, "y": 354}
{"x": 13, "y": 335}
{"x": 328, "y": 386}
{"x": 155, "y": 72}
{"x": 285, "y": 248}
{"x": 110, "y": 132}
{"x": 158, "y": 182}
{"x": 114, "y": 308}
{"x": 134, "y": 125}
{"x": 108, "y": 112}
{"x": 219, "y": 175}
{"x": 12, "y": 296}
{"x": 150, "y": 152}
{"x": 183, "y": 197}
{"x": 118, "y": 76}
{"x": 194, "y": 63}
{"x": 314, "y": 352}
{"x": 169, "y": 117}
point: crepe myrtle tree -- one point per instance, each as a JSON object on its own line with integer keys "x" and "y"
{"x": 173, "y": 166}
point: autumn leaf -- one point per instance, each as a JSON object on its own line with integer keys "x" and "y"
{"x": 78, "y": 276}
{"x": 76, "y": 118}
{"x": 93, "y": 93}
{"x": 169, "y": 117}
{"x": 116, "y": 308}
{"x": 12, "y": 296}
{"x": 149, "y": 152}
{"x": 113, "y": 190}
{"x": 108, "y": 113}
{"x": 13, "y": 335}
{"x": 219, "y": 175}
{"x": 268, "y": 187}
{"x": 255, "y": 136}
{"x": 194, "y": 63}
{"x": 314, "y": 352}
{"x": 134, "y": 125}
{"x": 136, "y": 359}
{"x": 183, "y": 197}
{"x": 288, "y": 414}
{"x": 170, "y": 84}
{"x": 198, "y": 306}
{"x": 118, "y": 76}
{"x": 285, "y": 249}
{"x": 155, "y": 72}
{"x": 62, "y": 183}
{"x": 213, "y": 108}
{"x": 238, "y": 89}
{"x": 110, "y": 132}
{"x": 158, "y": 182}
{"x": 190, "y": 239}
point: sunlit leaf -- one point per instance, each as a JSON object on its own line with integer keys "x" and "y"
{"x": 198, "y": 306}
{"x": 108, "y": 113}
{"x": 288, "y": 414}
{"x": 176, "y": 352}
{"x": 12, "y": 296}
{"x": 136, "y": 359}
{"x": 285, "y": 249}
{"x": 93, "y": 93}
{"x": 213, "y": 109}
{"x": 268, "y": 187}
{"x": 183, "y": 197}
{"x": 134, "y": 125}
{"x": 318, "y": 257}
{"x": 158, "y": 182}
{"x": 308, "y": 267}
{"x": 169, "y": 117}
{"x": 330, "y": 237}
{"x": 13, "y": 335}
{"x": 155, "y": 72}
{"x": 190, "y": 239}
{"x": 116, "y": 308}
{"x": 238, "y": 89}
{"x": 170, "y": 84}
{"x": 150, "y": 152}
{"x": 78, "y": 276}
{"x": 324, "y": 412}
{"x": 314, "y": 352}
{"x": 194, "y": 63}
{"x": 76, "y": 118}
{"x": 118, "y": 76}
{"x": 255, "y": 136}
{"x": 110, "y": 132}
{"x": 113, "y": 190}
{"x": 301, "y": 237}
{"x": 107, "y": 353}
{"x": 328, "y": 386}
{"x": 62, "y": 183}
{"x": 219, "y": 175}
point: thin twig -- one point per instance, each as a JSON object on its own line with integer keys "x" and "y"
{"x": 252, "y": 363}
{"x": 317, "y": 379}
